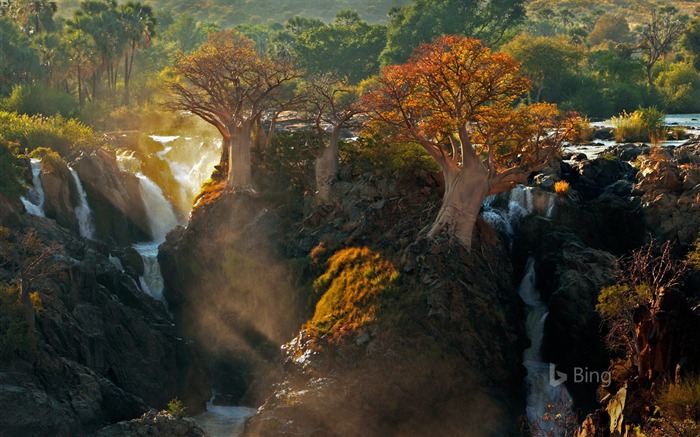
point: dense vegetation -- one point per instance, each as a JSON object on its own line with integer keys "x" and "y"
{"x": 71, "y": 71}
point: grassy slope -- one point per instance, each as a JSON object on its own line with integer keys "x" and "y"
{"x": 233, "y": 12}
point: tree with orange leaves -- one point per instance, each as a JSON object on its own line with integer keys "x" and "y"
{"x": 456, "y": 98}
{"x": 229, "y": 85}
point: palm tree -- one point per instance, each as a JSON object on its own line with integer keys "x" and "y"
{"x": 139, "y": 28}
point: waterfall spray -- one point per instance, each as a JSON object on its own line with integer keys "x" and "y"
{"x": 35, "y": 203}
{"x": 82, "y": 211}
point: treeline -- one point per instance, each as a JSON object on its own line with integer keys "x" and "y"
{"x": 226, "y": 13}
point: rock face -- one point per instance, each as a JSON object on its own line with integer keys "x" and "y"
{"x": 442, "y": 358}
{"x": 442, "y": 355}
{"x": 61, "y": 195}
{"x": 154, "y": 424}
{"x": 234, "y": 297}
{"x": 670, "y": 183}
{"x": 103, "y": 350}
{"x": 118, "y": 210}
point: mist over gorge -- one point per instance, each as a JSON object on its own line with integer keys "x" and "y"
{"x": 427, "y": 218}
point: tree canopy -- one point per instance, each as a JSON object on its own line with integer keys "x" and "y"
{"x": 456, "y": 98}
{"x": 424, "y": 20}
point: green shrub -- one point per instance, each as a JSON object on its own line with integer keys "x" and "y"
{"x": 292, "y": 156}
{"x": 16, "y": 337}
{"x": 679, "y": 87}
{"x": 176, "y": 408}
{"x": 65, "y": 136}
{"x": 373, "y": 154}
{"x": 11, "y": 169}
{"x": 644, "y": 124}
{"x": 693, "y": 257}
{"x": 50, "y": 160}
{"x": 38, "y": 99}
{"x": 678, "y": 402}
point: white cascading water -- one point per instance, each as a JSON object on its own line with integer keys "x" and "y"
{"x": 35, "y": 203}
{"x": 82, "y": 211}
{"x": 224, "y": 421}
{"x": 542, "y": 396}
{"x": 191, "y": 169}
{"x": 160, "y": 213}
{"x": 161, "y": 220}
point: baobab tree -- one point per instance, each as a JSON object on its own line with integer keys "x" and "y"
{"x": 456, "y": 99}
{"x": 332, "y": 104}
{"x": 229, "y": 85}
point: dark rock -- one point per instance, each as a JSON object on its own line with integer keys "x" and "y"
{"x": 154, "y": 424}
{"x": 628, "y": 152}
{"x": 115, "y": 199}
{"x": 61, "y": 195}
{"x": 449, "y": 342}
{"x": 622, "y": 188}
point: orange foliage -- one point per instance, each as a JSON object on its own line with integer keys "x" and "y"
{"x": 456, "y": 98}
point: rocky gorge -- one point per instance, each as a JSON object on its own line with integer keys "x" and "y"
{"x": 338, "y": 319}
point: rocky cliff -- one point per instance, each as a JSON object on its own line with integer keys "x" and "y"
{"x": 102, "y": 351}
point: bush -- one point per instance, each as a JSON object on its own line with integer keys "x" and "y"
{"x": 50, "y": 160}
{"x": 38, "y": 99}
{"x": 353, "y": 288}
{"x": 65, "y": 136}
{"x": 176, "y": 408}
{"x": 644, "y": 124}
{"x": 678, "y": 402}
{"x": 16, "y": 337}
{"x": 562, "y": 188}
{"x": 679, "y": 87}
{"x": 693, "y": 258}
{"x": 372, "y": 154}
{"x": 292, "y": 155}
{"x": 11, "y": 169}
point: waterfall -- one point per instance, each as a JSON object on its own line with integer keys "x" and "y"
{"x": 191, "y": 164}
{"x": 161, "y": 217}
{"x": 152, "y": 281}
{"x": 82, "y": 211}
{"x": 519, "y": 202}
{"x": 224, "y": 421}
{"x": 541, "y": 392}
{"x": 35, "y": 203}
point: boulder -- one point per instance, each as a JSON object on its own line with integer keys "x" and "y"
{"x": 61, "y": 195}
{"x": 115, "y": 198}
{"x": 154, "y": 424}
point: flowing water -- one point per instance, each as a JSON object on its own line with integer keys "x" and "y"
{"x": 82, "y": 211}
{"x": 34, "y": 202}
{"x": 542, "y": 397}
{"x": 224, "y": 421}
{"x": 544, "y": 394}
{"x": 161, "y": 220}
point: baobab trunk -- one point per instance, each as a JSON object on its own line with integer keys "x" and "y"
{"x": 239, "y": 169}
{"x": 465, "y": 191}
{"x": 326, "y": 168}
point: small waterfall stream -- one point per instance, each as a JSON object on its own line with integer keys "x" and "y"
{"x": 521, "y": 202}
{"x": 82, "y": 211}
{"x": 161, "y": 219}
{"x": 542, "y": 391}
{"x": 34, "y": 204}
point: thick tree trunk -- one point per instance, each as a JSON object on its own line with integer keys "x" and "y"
{"x": 326, "y": 168}
{"x": 225, "y": 149}
{"x": 465, "y": 191}
{"x": 240, "y": 176}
